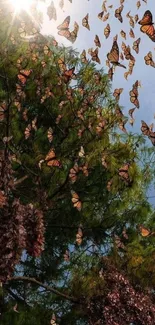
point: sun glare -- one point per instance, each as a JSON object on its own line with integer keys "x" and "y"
{"x": 22, "y": 4}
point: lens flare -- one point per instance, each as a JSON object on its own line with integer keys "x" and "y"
{"x": 22, "y": 4}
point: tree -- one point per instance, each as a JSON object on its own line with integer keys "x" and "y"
{"x": 69, "y": 180}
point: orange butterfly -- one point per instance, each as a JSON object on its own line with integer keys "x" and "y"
{"x": 117, "y": 92}
{"x": 97, "y": 41}
{"x": 123, "y": 34}
{"x": 113, "y": 55}
{"x": 127, "y": 54}
{"x": 149, "y": 60}
{"x": 51, "y": 12}
{"x": 131, "y": 33}
{"x": 124, "y": 172}
{"x": 51, "y": 159}
{"x": 131, "y": 111}
{"x": 145, "y": 232}
{"x": 100, "y": 15}
{"x": 74, "y": 33}
{"x": 83, "y": 57}
{"x": 118, "y": 13}
{"x": 94, "y": 55}
{"x": 50, "y": 135}
{"x": 85, "y": 22}
{"x": 75, "y": 200}
{"x": 110, "y": 73}
{"x": 136, "y": 18}
{"x": 64, "y": 28}
{"x": 23, "y": 75}
{"x": 147, "y": 25}
{"x": 136, "y": 45}
{"x": 73, "y": 173}
{"x": 27, "y": 131}
{"x": 106, "y": 17}
{"x": 134, "y": 94}
{"x": 107, "y": 31}
{"x": 68, "y": 75}
{"x": 145, "y": 129}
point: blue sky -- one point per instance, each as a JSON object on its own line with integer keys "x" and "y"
{"x": 145, "y": 74}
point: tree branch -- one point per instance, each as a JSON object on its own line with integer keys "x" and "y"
{"x": 48, "y": 288}
{"x": 20, "y": 180}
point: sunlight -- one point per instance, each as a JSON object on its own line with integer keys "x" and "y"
{"x": 22, "y": 5}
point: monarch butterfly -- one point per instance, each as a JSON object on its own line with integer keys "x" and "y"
{"x": 75, "y": 200}
{"x": 110, "y": 73}
{"x": 131, "y": 65}
{"x": 145, "y": 232}
{"x": 131, "y": 111}
{"x": 73, "y": 173}
{"x": 121, "y": 126}
{"x": 50, "y": 159}
{"x": 68, "y": 75}
{"x": 138, "y": 4}
{"x": 51, "y": 12}
{"x": 118, "y": 13}
{"x": 106, "y": 17}
{"x": 64, "y": 28}
{"x": 147, "y": 25}
{"x": 107, "y": 31}
{"x": 23, "y": 75}
{"x": 134, "y": 94}
{"x": 83, "y": 57}
{"x": 123, "y": 34}
{"x": 61, "y": 4}
{"x": 136, "y": 45}
{"x": 104, "y": 6}
{"x": 62, "y": 64}
{"x": 149, "y": 60}
{"x": 27, "y": 131}
{"x": 131, "y": 22}
{"x": 97, "y": 41}
{"x": 100, "y": 126}
{"x": 152, "y": 137}
{"x": 119, "y": 112}
{"x": 113, "y": 55}
{"x": 145, "y": 129}
{"x": 50, "y": 135}
{"x": 94, "y": 55}
{"x": 121, "y": 56}
{"x": 74, "y": 33}
{"x": 85, "y": 22}
{"x": 123, "y": 172}
{"x": 66, "y": 256}
{"x": 117, "y": 92}
{"x": 136, "y": 18}
{"x": 79, "y": 236}
{"x": 47, "y": 50}
{"x": 84, "y": 169}
{"x": 127, "y": 54}
{"x": 131, "y": 33}
{"x": 81, "y": 152}
{"x": 100, "y": 15}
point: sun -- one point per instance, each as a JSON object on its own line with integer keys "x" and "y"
{"x": 22, "y": 4}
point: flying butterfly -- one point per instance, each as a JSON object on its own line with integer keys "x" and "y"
{"x": 107, "y": 31}
{"x": 113, "y": 55}
{"x": 131, "y": 111}
{"x": 118, "y": 13}
{"x": 100, "y": 15}
{"x": 51, "y": 159}
{"x": 138, "y": 4}
{"x": 61, "y": 4}
{"x": 136, "y": 18}
{"x": 134, "y": 94}
{"x": 97, "y": 41}
{"x": 104, "y": 6}
{"x": 63, "y": 29}
{"x": 121, "y": 126}
{"x": 106, "y": 17}
{"x": 76, "y": 201}
{"x": 110, "y": 73}
{"x": 85, "y": 22}
{"x": 131, "y": 33}
{"x": 51, "y": 12}
{"x": 83, "y": 57}
{"x": 145, "y": 128}
{"x": 68, "y": 75}
{"x": 149, "y": 60}
{"x": 74, "y": 33}
{"x": 136, "y": 45}
{"x": 123, "y": 34}
{"x": 127, "y": 53}
{"x": 94, "y": 55}
{"x": 117, "y": 92}
{"x": 147, "y": 25}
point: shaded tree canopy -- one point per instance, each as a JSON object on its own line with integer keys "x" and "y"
{"x": 72, "y": 191}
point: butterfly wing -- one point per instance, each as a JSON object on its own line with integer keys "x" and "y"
{"x": 85, "y": 22}
{"x": 147, "y": 18}
{"x": 149, "y": 31}
{"x": 65, "y": 24}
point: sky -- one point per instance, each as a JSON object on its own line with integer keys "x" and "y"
{"x": 85, "y": 40}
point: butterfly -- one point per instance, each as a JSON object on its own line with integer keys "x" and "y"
{"x": 106, "y": 17}
{"x": 51, "y": 12}
{"x": 68, "y": 75}
{"x": 134, "y": 94}
{"x": 53, "y": 320}
{"x": 100, "y": 15}
{"x": 107, "y": 31}
{"x": 145, "y": 129}
{"x": 149, "y": 60}
{"x": 50, "y": 135}
{"x": 110, "y": 73}
{"x": 23, "y": 75}
{"x": 131, "y": 111}
{"x": 83, "y": 57}
{"x": 27, "y": 131}
{"x": 74, "y": 33}
{"x": 145, "y": 232}
{"x": 94, "y": 55}
{"x": 100, "y": 126}
{"x": 75, "y": 200}
{"x": 152, "y": 137}
{"x": 84, "y": 169}
{"x": 51, "y": 159}
{"x": 61, "y": 64}
{"x": 61, "y": 4}
{"x": 97, "y": 41}
{"x": 104, "y": 6}
{"x": 81, "y": 152}
{"x": 64, "y": 28}
{"x": 79, "y": 236}
{"x": 138, "y": 4}
{"x": 66, "y": 256}
{"x": 127, "y": 54}
{"x": 147, "y": 25}
{"x": 124, "y": 172}
{"x": 85, "y": 22}
{"x": 121, "y": 126}
{"x": 73, "y": 173}
{"x": 47, "y": 50}
{"x": 117, "y": 92}
{"x": 123, "y": 34}
{"x": 131, "y": 33}
{"x": 118, "y": 13}
{"x": 113, "y": 55}
{"x": 136, "y": 45}
{"x": 136, "y": 18}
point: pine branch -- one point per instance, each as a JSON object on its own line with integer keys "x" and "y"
{"x": 48, "y": 288}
